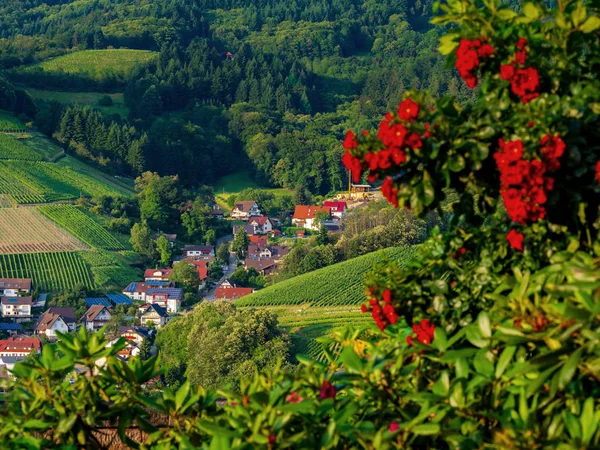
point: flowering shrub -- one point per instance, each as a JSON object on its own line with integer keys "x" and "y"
{"x": 489, "y": 338}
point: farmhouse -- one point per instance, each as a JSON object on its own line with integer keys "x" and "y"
{"x": 230, "y": 292}
{"x": 153, "y": 313}
{"x": 96, "y": 317}
{"x": 338, "y": 209}
{"x": 245, "y": 210}
{"x": 56, "y": 320}
{"x": 199, "y": 250}
{"x": 16, "y": 308}
{"x": 262, "y": 224}
{"x": 19, "y": 346}
{"x": 157, "y": 274}
{"x": 308, "y": 216}
{"x": 11, "y": 287}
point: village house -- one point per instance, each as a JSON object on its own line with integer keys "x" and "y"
{"x": 16, "y": 308}
{"x": 19, "y": 346}
{"x": 157, "y": 274}
{"x": 7, "y": 363}
{"x": 139, "y": 290}
{"x": 96, "y": 317}
{"x": 56, "y": 320}
{"x": 259, "y": 240}
{"x": 153, "y": 313}
{"x": 217, "y": 213}
{"x": 245, "y": 210}
{"x": 12, "y": 287}
{"x": 262, "y": 224}
{"x": 168, "y": 298}
{"x": 259, "y": 251}
{"x": 308, "y": 216}
{"x": 199, "y": 250}
{"x": 338, "y": 209}
{"x": 135, "y": 334}
{"x": 229, "y": 291}
{"x": 263, "y": 266}
{"x": 250, "y": 230}
{"x": 171, "y": 238}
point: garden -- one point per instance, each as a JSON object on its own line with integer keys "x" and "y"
{"x": 490, "y": 339}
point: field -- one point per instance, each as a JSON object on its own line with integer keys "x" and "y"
{"x": 121, "y": 185}
{"x": 12, "y": 148}
{"x": 43, "y": 146}
{"x": 96, "y": 64}
{"x": 26, "y": 230}
{"x": 49, "y": 271}
{"x": 9, "y": 123}
{"x": 237, "y": 182}
{"x": 82, "y": 226}
{"x": 84, "y": 98}
{"x": 110, "y": 270}
{"x": 337, "y": 285}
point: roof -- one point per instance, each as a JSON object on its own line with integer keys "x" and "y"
{"x": 49, "y": 318}
{"x": 68, "y": 314}
{"x": 10, "y": 326}
{"x": 260, "y": 264}
{"x": 146, "y": 285}
{"x": 172, "y": 293}
{"x": 119, "y": 299}
{"x": 17, "y": 301}
{"x": 231, "y": 293}
{"x": 259, "y": 220}
{"x": 216, "y": 210}
{"x": 169, "y": 237}
{"x": 309, "y": 212}
{"x": 93, "y": 312}
{"x": 97, "y": 301}
{"x": 258, "y": 240}
{"x": 198, "y": 248}
{"x": 162, "y": 273}
{"x": 336, "y": 206}
{"x": 153, "y": 307}
{"x": 20, "y": 345}
{"x": 16, "y": 283}
{"x": 245, "y": 206}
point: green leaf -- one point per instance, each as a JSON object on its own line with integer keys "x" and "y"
{"x": 531, "y": 11}
{"x": 351, "y": 360}
{"x": 590, "y": 25}
{"x": 447, "y": 44}
{"x": 483, "y": 365}
{"x": 483, "y": 321}
{"x": 220, "y": 442}
{"x": 428, "y": 189}
{"x": 426, "y": 429}
{"x": 579, "y": 14}
{"x": 504, "y": 360}
{"x": 506, "y": 14}
{"x": 568, "y": 369}
{"x": 572, "y": 425}
{"x": 589, "y": 421}
{"x": 475, "y": 338}
{"x": 442, "y": 386}
{"x": 440, "y": 341}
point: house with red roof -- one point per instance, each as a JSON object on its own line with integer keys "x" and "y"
{"x": 258, "y": 240}
{"x": 307, "y": 216}
{"x": 157, "y": 274}
{"x": 230, "y": 291}
{"x": 338, "y": 209}
{"x": 262, "y": 224}
{"x": 19, "y": 346}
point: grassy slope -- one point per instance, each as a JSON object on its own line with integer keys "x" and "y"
{"x": 84, "y": 98}
{"x": 237, "y": 182}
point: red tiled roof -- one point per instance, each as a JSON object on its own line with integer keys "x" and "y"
{"x": 20, "y": 345}
{"x": 15, "y": 283}
{"x": 202, "y": 273}
{"x": 336, "y": 206}
{"x": 17, "y": 300}
{"x": 259, "y": 220}
{"x": 255, "y": 239}
{"x": 309, "y": 212}
{"x": 245, "y": 205}
{"x": 91, "y": 314}
{"x": 163, "y": 273}
{"x": 231, "y": 293}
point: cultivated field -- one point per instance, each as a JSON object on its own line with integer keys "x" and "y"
{"x": 96, "y": 64}
{"x": 40, "y": 144}
{"x": 82, "y": 226}
{"x": 13, "y": 148}
{"x": 109, "y": 270}
{"x": 26, "y": 230}
{"x": 49, "y": 271}
{"x": 337, "y": 285}
{"x": 84, "y": 98}
{"x": 10, "y": 123}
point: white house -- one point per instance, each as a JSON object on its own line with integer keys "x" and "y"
{"x": 338, "y": 209}
{"x": 169, "y": 298}
{"x": 96, "y": 317}
{"x": 245, "y": 210}
{"x": 19, "y": 346}
{"x": 16, "y": 308}
{"x": 308, "y": 216}
{"x": 153, "y": 313}
{"x": 56, "y": 320}
{"x": 157, "y": 274}
{"x": 12, "y": 287}
{"x": 199, "y": 250}
{"x": 262, "y": 224}
{"x": 139, "y": 290}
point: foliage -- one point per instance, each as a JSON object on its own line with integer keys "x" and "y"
{"x": 187, "y": 275}
{"x": 247, "y": 278}
{"x": 223, "y": 253}
{"x": 12, "y": 148}
{"x": 158, "y": 197}
{"x": 141, "y": 240}
{"x": 240, "y": 244}
{"x": 163, "y": 247}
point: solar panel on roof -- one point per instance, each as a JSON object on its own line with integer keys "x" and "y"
{"x": 119, "y": 299}
{"x": 9, "y": 326}
{"x": 131, "y": 288}
{"x": 97, "y": 301}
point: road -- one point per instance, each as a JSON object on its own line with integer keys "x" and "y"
{"x": 231, "y": 267}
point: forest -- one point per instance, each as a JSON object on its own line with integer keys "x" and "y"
{"x": 271, "y": 84}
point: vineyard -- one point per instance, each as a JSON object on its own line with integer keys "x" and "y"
{"x": 43, "y": 146}
{"x": 49, "y": 271}
{"x": 110, "y": 270}
{"x": 10, "y": 123}
{"x": 26, "y": 230}
{"x": 82, "y": 226}
{"x": 337, "y": 285}
{"x": 11, "y": 148}
{"x": 96, "y": 64}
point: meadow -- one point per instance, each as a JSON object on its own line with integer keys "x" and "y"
{"x": 26, "y": 230}
{"x": 95, "y": 64}
{"x": 81, "y": 225}
{"x": 234, "y": 183}
{"x": 84, "y": 98}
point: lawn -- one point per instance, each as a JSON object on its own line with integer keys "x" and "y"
{"x": 84, "y": 98}
{"x": 237, "y": 182}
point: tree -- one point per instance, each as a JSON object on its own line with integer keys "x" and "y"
{"x": 223, "y": 253}
{"x": 145, "y": 349}
{"x": 240, "y": 244}
{"x": 141, "y": 240}
{"x": 163, "y": 246}
{"x": 323, "y": 236}
{"x": 151, "y": 102}
{"x": 187, "y": 275}
{"x": 196, "y": 219}
{"x": 210, "y": 237}
{"x": 158, "y": 197}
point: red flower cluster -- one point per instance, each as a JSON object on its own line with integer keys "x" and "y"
{"x": 408, "y": 110}
{"x": 598, "y": 172}
{"x": 524, "y": 81}
{"x": 294, "y": 397}
{"x": 523, "y": 184}
{"x": 389, "y": 191}
{"x": 515, "y": 240}
{"x": 468, "y": 57}
{"x": 328, "y": 390}
{"x": 552, "y": 149}
{"x": 382, "y": 316}
{"x": 352, "y": 163}
{"x": 425, "y": 332}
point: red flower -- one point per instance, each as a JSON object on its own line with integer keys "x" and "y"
{"x": 485, "y": 51}
{"x": 425, "y": 332}
{"x": 414, "y": 141}
{"x": 467, "y": 59}
{"x": 515, "y": 240}
{"x": 392, "y": 135}
{"x": 389, "y": 191}
{"x": 394, "y": 427}
{"x": 427, "y": 132}
{"x": 350, "y": 142}
{"x": 506, "y": 71}
{"x": 328, "y": 390}
{"x": 272, "y": 439}
{"x": 525, "y": 83}
{"x": 471, "y": 81}
{"x": 387, "y": 296}
{"x": 408, "y": 110}
{"x": 398, "y": 156}
{"x": 294, "y": 398}
{"x": 598, "y": 172}
{"x": 363, "y": 308}
{"x": 521, "y": 57}
{"x": 552, "y": 149}
{"x": 390, "y": 313}
{"x": 531, "y": 124}
{"x": 521, "y": 43}
{"x": 353, "y": 164}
